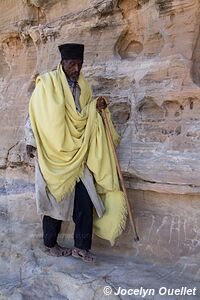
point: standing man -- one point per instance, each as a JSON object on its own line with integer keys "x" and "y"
{"x": 73, "y": 164}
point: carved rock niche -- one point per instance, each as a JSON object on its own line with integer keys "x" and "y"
{"x": 195, "y": 70}
{"x": 12, "y": 48}
{"x": 127, "y": 46}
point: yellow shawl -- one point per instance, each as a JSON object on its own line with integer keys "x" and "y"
{"x": 67, "y": 139}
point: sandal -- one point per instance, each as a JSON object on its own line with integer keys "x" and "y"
{"x": 85, "y": 255}
{"x": 57, "y": 250}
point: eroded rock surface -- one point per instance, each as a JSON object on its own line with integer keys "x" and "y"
{"x": 143, "y": 55}
{"x": 26, "y": 273}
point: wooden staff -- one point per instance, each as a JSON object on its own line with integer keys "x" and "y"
{"x": 120, "y": 174}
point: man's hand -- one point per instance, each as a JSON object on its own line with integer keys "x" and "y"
{"x": 30, "y": 150}
{"x": 101, "y": 103}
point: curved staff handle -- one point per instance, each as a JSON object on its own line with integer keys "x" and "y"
{"x": 120, "y": 174}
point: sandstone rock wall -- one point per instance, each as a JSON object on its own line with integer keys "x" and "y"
{"x": 143, "y": 54}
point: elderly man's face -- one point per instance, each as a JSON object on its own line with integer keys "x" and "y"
{"x": 72, "y": 68}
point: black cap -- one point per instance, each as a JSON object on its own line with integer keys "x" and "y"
{"x": 71, "y": 51}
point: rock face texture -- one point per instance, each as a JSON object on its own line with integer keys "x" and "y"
{"x": 145, "y": 56}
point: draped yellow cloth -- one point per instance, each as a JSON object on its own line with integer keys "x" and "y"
{"x": 67, "y": 139}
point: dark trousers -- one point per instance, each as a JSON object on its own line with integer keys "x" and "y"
{"x": 82, "y": 217}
